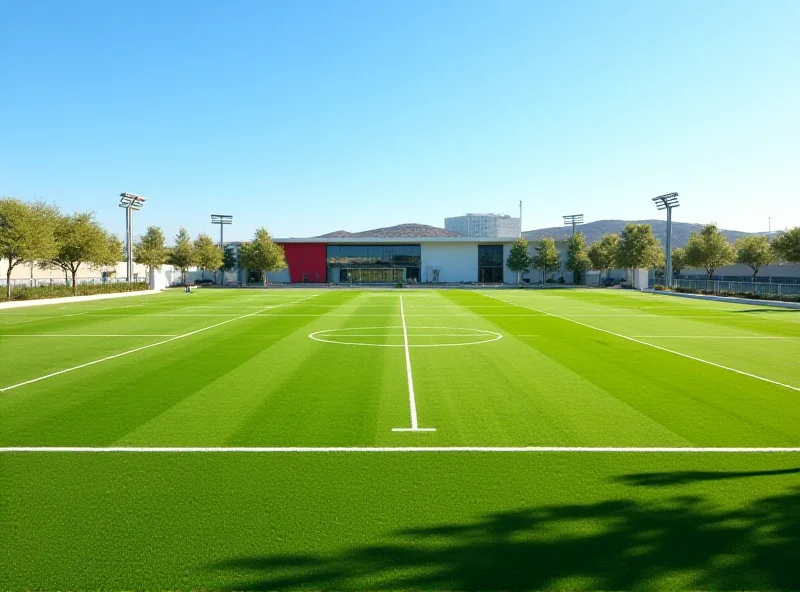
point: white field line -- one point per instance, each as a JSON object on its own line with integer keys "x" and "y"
{"x": 340, "y": 449}
{"x": 88, "y": 335}
{"x": 664, "y": 349}
{"x": 715, "y": 337}
{"x": 42, "y": 317}
{"x": 412, "y": 402}
{"x": 137, "y": 349}
{"x": 345, "y": 335}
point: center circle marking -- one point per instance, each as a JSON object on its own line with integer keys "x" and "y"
{"x": 362, "y": 335}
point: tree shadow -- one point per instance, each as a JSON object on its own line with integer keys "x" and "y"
{"x": 775, "y": 309}
{"x": 685, "y": 477}
{"x": 679, "y": 542}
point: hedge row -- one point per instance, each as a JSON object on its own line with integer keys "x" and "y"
{"x": 62, "y": 291}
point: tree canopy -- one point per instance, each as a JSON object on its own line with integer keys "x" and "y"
{"x": 578, "y": 260}
{"x": 208, "y": 255}
{"x": 150, "y": 249}
{"x": 518, "y": 258}
{"x": 755, "y": 252}
{"x": 708, "y": 249}
{"x": 603, "y": 253}
{"x": 678, "y": 260}
{"x": 545, "y": 256}
{"x": 787, "y": 245}
{"x": 638, "y": 248}
{"x": 26, "y": 233}
{"x": 80, "y": 240}
{"x": 262, "y": 255}
{"x": 228, "y": 259}
{"x": 182, "y": 253}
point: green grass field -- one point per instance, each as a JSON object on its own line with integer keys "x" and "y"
{"x": 337, "y": 439}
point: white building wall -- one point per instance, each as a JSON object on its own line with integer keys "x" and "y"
{"x": 484, "y": 225}
{"x": 509, "y": 277}
{"x": 456, "y": 262}
{"x": 281, "y": 277}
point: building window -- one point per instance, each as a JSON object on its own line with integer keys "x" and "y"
{"x": 388, "y": 263}
{"x": 490, "y": 264}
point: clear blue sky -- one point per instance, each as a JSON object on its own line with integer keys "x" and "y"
{"x": 311, "y": 116}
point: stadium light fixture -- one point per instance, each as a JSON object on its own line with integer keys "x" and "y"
{"x": 131, "y": 202}
{"x": 668, "y": 202}
{"x": 573, "y": 220}
{"x": 222, "y": 220}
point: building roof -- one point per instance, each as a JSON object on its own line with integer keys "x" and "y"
{"x": 399, "y": 231}
{"x": 406, "y": 240}
{"x": 335, "y": 234}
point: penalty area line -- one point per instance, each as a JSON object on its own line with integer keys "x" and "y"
{"x": 648, "y": 344}
{"x": 144, "y": 347}
{"x": 340, "y": 449}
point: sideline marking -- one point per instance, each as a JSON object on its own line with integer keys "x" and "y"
{"x": 138, "y": 349}
{"x": 84, "y": 335}
{"x": 671, "y": 351}
{"x": 715, "y": 337}
{"x": 264, "y": 449}
{"x": 412, "y": 402}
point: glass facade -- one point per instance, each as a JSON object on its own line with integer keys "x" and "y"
{"x": 490, "y": 264}
{"x": 354, "y": 260}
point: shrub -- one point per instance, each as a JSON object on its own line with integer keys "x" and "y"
{"x": 62, "y": 291}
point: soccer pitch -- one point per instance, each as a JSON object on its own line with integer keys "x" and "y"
{"x": 448, "y": 439}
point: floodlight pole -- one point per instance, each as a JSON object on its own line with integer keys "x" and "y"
{"x": 573, "y": 220}
{"x": 131, "y": 202}
{"x": 222, "y": 220}
{"x": 668, "y": 202}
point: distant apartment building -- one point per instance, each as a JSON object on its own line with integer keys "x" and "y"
{"x": 484, "y": 225}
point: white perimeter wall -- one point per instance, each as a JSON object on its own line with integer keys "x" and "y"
{"x": 457, "y": 262}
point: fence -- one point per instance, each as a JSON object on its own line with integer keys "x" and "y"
{"x": 738, "y": 278}
{"x": 761, "y": 289}
{"x": 92, "y": 281}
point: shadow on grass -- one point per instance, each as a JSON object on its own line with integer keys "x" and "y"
{"x": 685, "y": 477}
{"x": 679, "y": 542}
{"x": 771, "y": 309}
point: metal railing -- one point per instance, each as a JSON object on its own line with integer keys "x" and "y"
{"x": 741, "y": 278}
{"x": 92, "y": 281}
{"x": 763, "y": 289}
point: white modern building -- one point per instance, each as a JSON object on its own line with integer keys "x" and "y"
{"x": 484, "y": 225}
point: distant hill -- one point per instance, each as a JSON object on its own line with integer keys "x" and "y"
{"x": 399, "y": 231}
{"x": 594, "y": 230}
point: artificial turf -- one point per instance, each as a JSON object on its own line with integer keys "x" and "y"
{"x": 466, "y": 520}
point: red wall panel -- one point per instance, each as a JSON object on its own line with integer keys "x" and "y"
{"x": 306, "y": 258}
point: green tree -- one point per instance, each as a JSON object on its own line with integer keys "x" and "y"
{"x": 150, "y": 249}
{"x": 603, "y": 253}
{"x": 26, "y": 233}
{"x": 518, "y": 258}
{"x": 787, "y": 245}
{"x": 708, "y": 249}
{"x": 638, "y": 248}
{"x": 208, "y": 255}
{"x": 578, "y": 261}
{"x": 262, "y": 255}
{"x": 678, "y": 260}
{"x": 228, "y": 260}
{"x": 182, "y": 254}
{"x": 545, "y": 256}
{"x": 79, "y": 241}
{"x": 755, "y": 252}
